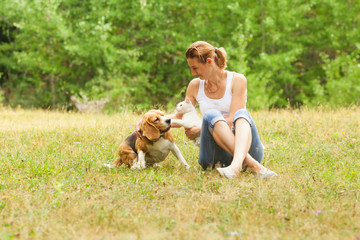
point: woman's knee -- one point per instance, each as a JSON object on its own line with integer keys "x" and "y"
{"x": 211, "y": 114}
{"x": 210, "y": 118}
{"x": 243, "y": 114}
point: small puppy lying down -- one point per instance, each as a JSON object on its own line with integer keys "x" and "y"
{"x": 150, "y": 146}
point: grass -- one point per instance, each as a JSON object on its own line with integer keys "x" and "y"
{"x": 53, "y": 185}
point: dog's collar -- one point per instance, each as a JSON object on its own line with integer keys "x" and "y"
{"x": 137, "y": 129}
{"x": 138, "y": 133}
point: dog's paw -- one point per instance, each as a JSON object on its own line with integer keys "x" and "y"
{"x": 142, "y": 165}
{"x": 135, "y": 167}
{"x": 187, "y": 166}
{"x": 157, "y": 165}
{"x": 108, "y": 165}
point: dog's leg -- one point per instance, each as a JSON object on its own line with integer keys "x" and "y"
{"x": 136, "y": 164}
{"x": 108, "y": 165}
{"x": 115, "y": 163}
{"x": 175, "y": 150}
{"x": 141, "y": 159}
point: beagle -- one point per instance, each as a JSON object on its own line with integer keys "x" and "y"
{"x": 151, "y": 145}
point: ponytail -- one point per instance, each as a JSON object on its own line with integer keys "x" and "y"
{"x": 203, "y": 50}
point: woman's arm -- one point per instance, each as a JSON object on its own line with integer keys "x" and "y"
{"x": 191, "y": 92}
{"x": 193, "y": 132}
{"x": 174, "y": 116}
{"x": 238, "y": 101}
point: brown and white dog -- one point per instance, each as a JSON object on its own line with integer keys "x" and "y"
{"x": 150, "y": 146}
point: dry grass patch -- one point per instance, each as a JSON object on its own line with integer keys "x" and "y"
{"x": 53, "y": 185}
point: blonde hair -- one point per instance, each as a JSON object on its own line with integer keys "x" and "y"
{"x": 203, "y": 50}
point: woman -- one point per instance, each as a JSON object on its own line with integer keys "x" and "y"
{"x": 228, "y": 134}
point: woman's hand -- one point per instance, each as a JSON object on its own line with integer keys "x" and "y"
{"x": 193, "y": 132}
{"x": 174, "y": 116}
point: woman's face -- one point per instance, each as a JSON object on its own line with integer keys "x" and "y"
{"x": 197, "y": 68}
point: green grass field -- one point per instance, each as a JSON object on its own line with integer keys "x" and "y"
{"x": 53, "y": 185}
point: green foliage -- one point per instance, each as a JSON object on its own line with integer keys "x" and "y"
{"x": 343, "y": 78}
{"x": 133, "y": 51}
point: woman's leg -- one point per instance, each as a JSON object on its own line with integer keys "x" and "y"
{"x": 245, "y": 146}
{"x": 224, "y": 137}
{"x": 210, "y": 152}
{"x": 242, "y": 145}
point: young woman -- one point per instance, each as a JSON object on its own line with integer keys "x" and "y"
{"x": 228, "y": 134}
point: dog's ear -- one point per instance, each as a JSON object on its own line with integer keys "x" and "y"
{"x": 150, "y": 131}
{"x": 161, "y": 113}
{"x": 187, "y": 100}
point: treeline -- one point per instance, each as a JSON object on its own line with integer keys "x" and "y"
{"x": 296, "y": 52}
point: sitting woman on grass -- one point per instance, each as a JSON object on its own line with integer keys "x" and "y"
{"x": 228, "y": 134}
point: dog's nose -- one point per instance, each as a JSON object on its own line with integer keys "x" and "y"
{"x": 168, "y": 121}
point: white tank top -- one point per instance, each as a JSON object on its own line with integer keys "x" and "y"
{"x": 222, "y": 104}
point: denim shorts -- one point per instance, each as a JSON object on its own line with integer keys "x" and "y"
{"x": 211, "y": 154}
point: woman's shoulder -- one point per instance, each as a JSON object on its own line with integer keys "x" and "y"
{"x": 194, "y": 84}
{"x": 238, "y": 76}
{"x": 192, "y": 89}
{"x": 238, "y": 81}
{"x": 195, "y": 81}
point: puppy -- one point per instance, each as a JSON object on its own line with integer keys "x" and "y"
{"x": 190, "y": 118}
{"x": 150, "y": 146}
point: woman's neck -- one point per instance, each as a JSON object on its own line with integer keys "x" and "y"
{"x": 215, "y": 82}
{"x": 217, "y": 77}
